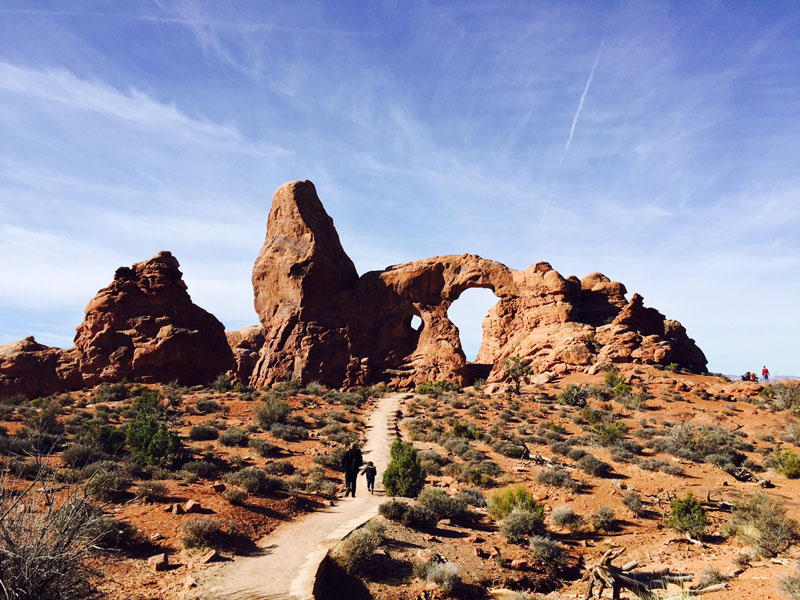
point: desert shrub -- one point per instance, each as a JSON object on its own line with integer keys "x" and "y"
{"x": 150, "y": 440}
{"x": 603, "y": 519}
{"x": 594, "y": 466}
{"x": 696, "y": 443}
{"x": 102, "y": 437}
{"x": 545, "y": 550}
{"x": 613, "y": 378}
{"x": 235, "y": 496}
{"x": 761, "y": 522}
{"x": 608, "y": 434}
{"x": 271, "y": 411}
{"x": 443, "y": 574}
{"x": 786, "y": 397}
{"x": 333, "y": 459}
{"x": 80, "y": 455}
{"x": 502, "y": 503}
{"x": 472, "y": 497}
{"x": 222, "y": 383}
{"x": 26, "y": 469}
{"x": 556, "y": 477}
{"x": 521, "y": 523}
{"x": 313, "y": 389}
{"x": 711, "y": 576}
{"x": 111, "y": 392}
{"x": 444, "y": 505}
{"x": 151, "y": 490}
{"x": 287, "y": 432}
{"x": 254, "y": 480}
{"x": 790, "y": 584}
{"x": 420, "y": 517}
{"x": 404, "y": 476}
{"x": 201, "y": 532}
{"x": 108, "y": 483}
{"x": 355, "y": 551}
{"x": 264, "y": 449}
{"x": 202, "y": 468}
{"x": 282, "y": 467}
{"x": 687, "y": 516}
{"x": 788, "y": 464}
{"x": 516, "y": 370}
{"x": 564, "y": 516}
{"x": 394, "y": 510}
{"x": 576, "y": 453}
{"x": 207, "y": 405}
{"x": 43, "y": 543}
{"x": 437, "y": 388}
{"x": 574, "y": 395}
{"x": 561, "y": 448}
{"x": 634, "y": 503}
{"x": 233, "y": 437}
{"x": 203, "y": 432}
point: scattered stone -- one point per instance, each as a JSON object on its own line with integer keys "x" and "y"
{"x": 191, "y": 506}
{"x": 154, "y": 537}
{"x": 218, "y": 486}
{"x": 494, "y": 551}
{"x": 177, "y": 509}
{"x": 480, "y": 552}
{"x": 208, "y": 557}
{"x": 158, "y": 562}
{"x": 766, "y": 483}
{"x": 520, "y": 564}
{"x": 474, "y": 539}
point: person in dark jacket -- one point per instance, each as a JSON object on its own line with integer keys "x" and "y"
{"x": 369, "y": 472}
{"x": 351, "y": 461}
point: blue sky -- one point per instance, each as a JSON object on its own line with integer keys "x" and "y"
{"x": 654, "y": 142}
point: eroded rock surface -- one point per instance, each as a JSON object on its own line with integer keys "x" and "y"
{"x": 323, "y": 323}
{"x": 142, "y": 327}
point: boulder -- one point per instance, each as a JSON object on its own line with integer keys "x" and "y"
{"x": 158, "y": 562}
{"x": 245, "y": 345}
{"x": 33, "y": 369}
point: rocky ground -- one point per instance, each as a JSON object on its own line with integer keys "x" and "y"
{"x": 616, "y": 448}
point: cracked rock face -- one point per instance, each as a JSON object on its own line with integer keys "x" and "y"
{"x": 142, "y": 327}
{"x": 323, "y": 323}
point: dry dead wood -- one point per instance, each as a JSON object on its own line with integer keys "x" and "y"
{"x": 642, "y": 584}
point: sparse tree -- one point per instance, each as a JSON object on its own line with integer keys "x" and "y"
{"x": 516, "y": 370}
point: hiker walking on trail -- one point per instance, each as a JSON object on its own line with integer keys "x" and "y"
{"x": 370, "y": 472}
{"x": 765, "y": 373}
{"x": 351, "y": 461}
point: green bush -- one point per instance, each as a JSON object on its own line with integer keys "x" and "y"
{"x": 201, "y": 532}
{"x": 264, "y": 449}
{"x": 288, "y": 432}
{"x": 437, "y": 388}
{"x": 521, "y": 523}
{"x": 444, "y": 505}
{"x": 254, "y": 480}
{"x": 603, "y": 519}
{"x": 556, "y": 477}
{"x": 594, "y": 466}
{"x": 108, "y": 483}
{"x": 404, "y": 476}
{"x": 103, "y": 437}
{"x": 502, "y": 503}
{"x": 687, "y": 516}
{"x": 235, "y": 496}
{"x": 789, "y": 464}
{"x": 149, "y": 491}
{"x": 472, "y": 497}
{"x": 111, "y": 393}
{"x": 207, "y": 405}
{"x": 790, "y": 584}
{"x": 761, "y": 522}
{"x": 608, "y": 434}
{"x": 201, "y": 468}
{"x": 222, "y": 383}
{"x": 203, "y": 432}
{"x": 516, "y": 370}
{"x": 271, "y": 411}
{"x": 150, "y": 440}
{"x": 634, "y": 503}
{"x": 420, "y": 517}
{"x": 233, "y": 437}
{"x": 546, "y": 551}
{"x": 574, "y": 395}
{"x": 80, "y": 455}
{"x": 566, "y": 517}
{"x": 394, "y": 510}
{"x": 355, "y": 551}
{"x": 613, "y": 378}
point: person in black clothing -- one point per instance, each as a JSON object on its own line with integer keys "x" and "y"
{"x": 351, "y": 461}
{"x": 369, "y": 472}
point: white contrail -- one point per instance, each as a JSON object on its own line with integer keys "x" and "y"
{"x": 572, "y": 129}
{"x": 580, "y": 104}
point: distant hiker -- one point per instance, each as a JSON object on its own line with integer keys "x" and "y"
{"x": 351, "y": 461}
{"x": 765, "y": 373}
{"x": 370, "y": 472}
{"x": 752, "y": 376}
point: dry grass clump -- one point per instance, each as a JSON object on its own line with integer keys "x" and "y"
{"x": 355, "y": 551}
{"x": 761, "y": 522}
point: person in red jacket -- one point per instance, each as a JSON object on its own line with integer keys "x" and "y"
{"x": 765, "y": 373}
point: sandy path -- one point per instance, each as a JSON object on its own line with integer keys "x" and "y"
{"x": 293, "y": 551}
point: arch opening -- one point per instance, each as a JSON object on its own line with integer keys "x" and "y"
{"x": 416, "y": 323}
{"x": 467, "y": 313}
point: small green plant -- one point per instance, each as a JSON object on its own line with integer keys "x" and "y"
{"x": 761, "y": 522}
{"x": 788, "y": 464}
{"x": 574, "y": 395}
{"x": 222, "y": 383}
{"x": 687, "y": 516}
{"x": 502, "y": 503}
{"x": 271, "y": 411}
{"x": 201, "y": 532}
{"x": 673, "y": 366}
{"x": 355, "y": 551}
{"x": 612, "y": 379}
{"x": 404, "y": 476}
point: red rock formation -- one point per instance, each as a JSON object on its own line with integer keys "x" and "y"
{"x": 245, "y": 344}
{"x": 143, "y": 327}
{"x": 296, "y": 279}
{"x": 323, "y": 323}
{"x": 32, "y": 369}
